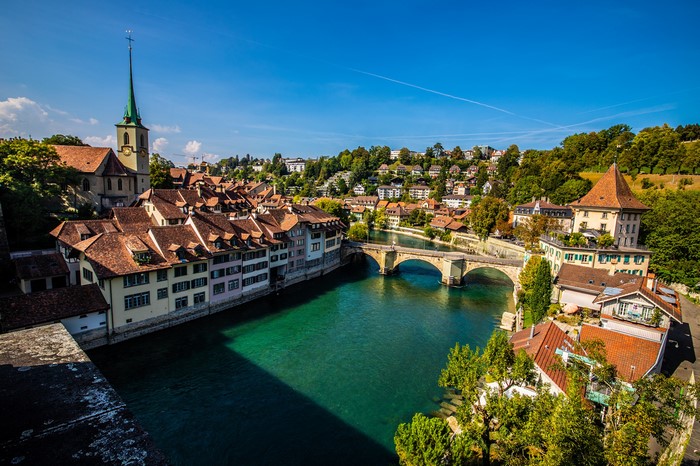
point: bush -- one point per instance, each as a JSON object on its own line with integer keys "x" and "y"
{"x": 646, "y": 183}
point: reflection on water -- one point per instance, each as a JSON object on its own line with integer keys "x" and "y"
{"x": 321, "y": 374}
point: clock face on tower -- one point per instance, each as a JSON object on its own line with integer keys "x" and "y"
{"x": 126, "y": 151}
{"x": 143, "y": 152}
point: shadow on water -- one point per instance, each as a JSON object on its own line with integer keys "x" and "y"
{"x": 230, "y": 412}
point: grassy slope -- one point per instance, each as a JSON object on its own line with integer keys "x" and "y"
{"x": 669, "y": 181}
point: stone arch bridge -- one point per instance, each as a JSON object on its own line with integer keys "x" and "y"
{"x": 452, "y": 265}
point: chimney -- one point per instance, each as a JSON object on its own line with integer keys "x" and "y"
{"x": 532, "y": 331}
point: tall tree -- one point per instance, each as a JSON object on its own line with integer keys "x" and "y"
{"x": 64, "y": 140}
{"x": 159, "y": 171}
{"x": 32, "y": 177}
{"x": 486, "y": 213}
{"x": 539, "y": 297}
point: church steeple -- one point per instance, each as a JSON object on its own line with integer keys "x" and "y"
{"x": 132, "y": 136}
{"x": 131, "y": 112}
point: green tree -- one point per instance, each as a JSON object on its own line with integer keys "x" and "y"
{"x": 32, "y": 178}
{"x": 570, "y": 191}
{"x": 358, "y": 232}
{"x": 532, "y": 228}
{"x": 486, "y": 213}
{"x": 653, "y": 409}
{"x": 508, "y": 163}
{"x": 672, "y": 230}
{"x": 159, "y": 171}
{"x": 457, "y": 153}
{"x": 333, "y": 207}
{"x": 466, "y": 370}
{"x": 64, "y": 140}
{"x": 423, "y": 441}
{"x": 405, "y": 156}
{"x": 540, "y": 295}
{"x": 380, "y": 219}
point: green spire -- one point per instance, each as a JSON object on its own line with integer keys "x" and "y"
{"x": 131, "y": 112}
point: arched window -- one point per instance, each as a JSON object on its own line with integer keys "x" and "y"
{"x": 86, "y": 185}
{"x": 143, "y": 141}
{"x": 109, "y": 184}
{"x": 126, "y": 139}
{"x": 119, "y": 184}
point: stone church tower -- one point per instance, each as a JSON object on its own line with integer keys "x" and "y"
{"x": 132, "y": 138}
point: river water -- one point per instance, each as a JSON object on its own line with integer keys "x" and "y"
{"x": 321, "y": 374}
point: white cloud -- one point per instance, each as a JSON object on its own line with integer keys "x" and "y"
{"x": 93, "y": 121}
{"x": 160, "y": 144}
{"x": 20, "y": 116}
{"x": 192, "y": 147}
{"x": 210, "y": 157}
{"x": 165, "y": 129}
{"x": 99, "y": 141}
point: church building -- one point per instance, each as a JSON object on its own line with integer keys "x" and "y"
{"x": 107, "y": 179}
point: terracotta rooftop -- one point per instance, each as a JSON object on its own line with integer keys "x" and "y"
{"x": 588, "y": 278}
{"x": 633, "y": 357}
{"x": 73, "y": 232}
{"x": 85, "y": 159}
{"x": 50, "y": 306}
{"x": 541, "y": 348}
{"x": 611, "y": 191}
{"x": 109, "y": 255}
{"x": 132, "y": 219}
{"x": 40, "y": 266}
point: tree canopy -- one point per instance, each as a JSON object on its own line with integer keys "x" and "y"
{"x": 32, "y": 179}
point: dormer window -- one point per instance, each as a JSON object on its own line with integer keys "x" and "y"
{"x": 180, "y": 253}
{"x": 143, "y": 257}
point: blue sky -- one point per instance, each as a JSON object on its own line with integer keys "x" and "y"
{"x": 310, "y": 78}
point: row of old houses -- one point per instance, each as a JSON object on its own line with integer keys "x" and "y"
{"x": 142, "y": 273}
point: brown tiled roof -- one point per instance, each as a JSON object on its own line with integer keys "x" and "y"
{"x": 132, "y": 219}
{"x": 49, "y": 306}
{"x": 114, "y": 167}
{"x": 110, "y": 257}
{"x": 85, "y": 159}
{"x": 180, "y": 235}
{"x": 596, "y": 280}
{"x": 40, "y": 266}
{"x": 541, "y": 348}
{"x": 633, "y": 357}
{"x": 673, "y": 310}
{"x": 611, "y": 191}
{"x": 69, "y": 232}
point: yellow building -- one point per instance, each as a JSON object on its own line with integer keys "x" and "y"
{"x": 609, "y": 207}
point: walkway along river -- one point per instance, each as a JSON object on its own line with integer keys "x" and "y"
{"x": 321, "y": 374}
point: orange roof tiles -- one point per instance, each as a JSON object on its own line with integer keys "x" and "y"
{"x": 611, "y": 191}
{"x": 541, "y": 348}
{"x": 85, "y": 159}
{"x": 633, "y": 357}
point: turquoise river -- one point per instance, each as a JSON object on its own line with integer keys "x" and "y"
{"x": 320, "y": 374}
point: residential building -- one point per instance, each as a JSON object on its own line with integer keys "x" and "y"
{"x": 417, "y": 170}
{"x": 563, "y": 214}
{"x": 434, "y": 171}
{"x": 358, "y": 190}
{"x": 383, "y": 169}
{"x": 295, "y": 165}
{"x": 395, "y": 215}
{"x": 41, "y": 272}
{"x": 389, "y": 192}
{"x": 457, "y": 201}
{"x": 455, "y": 170}
{"x": 608, "y": 207}
{"x": 419, "y": 192}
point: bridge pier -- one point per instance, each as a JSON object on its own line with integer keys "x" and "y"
{"x": 452, "y": 270}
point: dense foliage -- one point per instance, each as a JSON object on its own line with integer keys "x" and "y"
{"x": 672, "y": 230}
{"x": 32, "y": 179}
{"x": 542, "y": 429}
{"x": 159, "y": 171}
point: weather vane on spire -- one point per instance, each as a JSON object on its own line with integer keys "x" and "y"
{"x": 128, "y": 31}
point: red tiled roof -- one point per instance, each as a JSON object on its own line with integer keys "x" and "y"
{"x": 611, "y": 191}
{"x": 132, "y": 219}
{"x": 40, "y": 266}
{"x": 110, "y": 257}
{"x": 70, "y": 232}
{"x": 541, "y": 348}
{"x": 588, "y": 278}
{"x": 633, "y": 357}
{"x": 49, "y": 306}
{"x": 85, "y": 159}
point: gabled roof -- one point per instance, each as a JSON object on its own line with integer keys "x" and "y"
{"x": 611, "y": 191}
{"x": 109, "y": 255}
{"x": 50, "y": 305}
{"x": 592, "y": 279}
{"x": 85, "y": 159}
{"x": 170, "y": 240}
{"x": 71, "y": 232}
{"x": 546, "y": 339}
{"x": 40, "y": 266}
{"x": 132, "y": 219}
{"x": 633, "y": 357}
{"x": 665, "y": 301}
